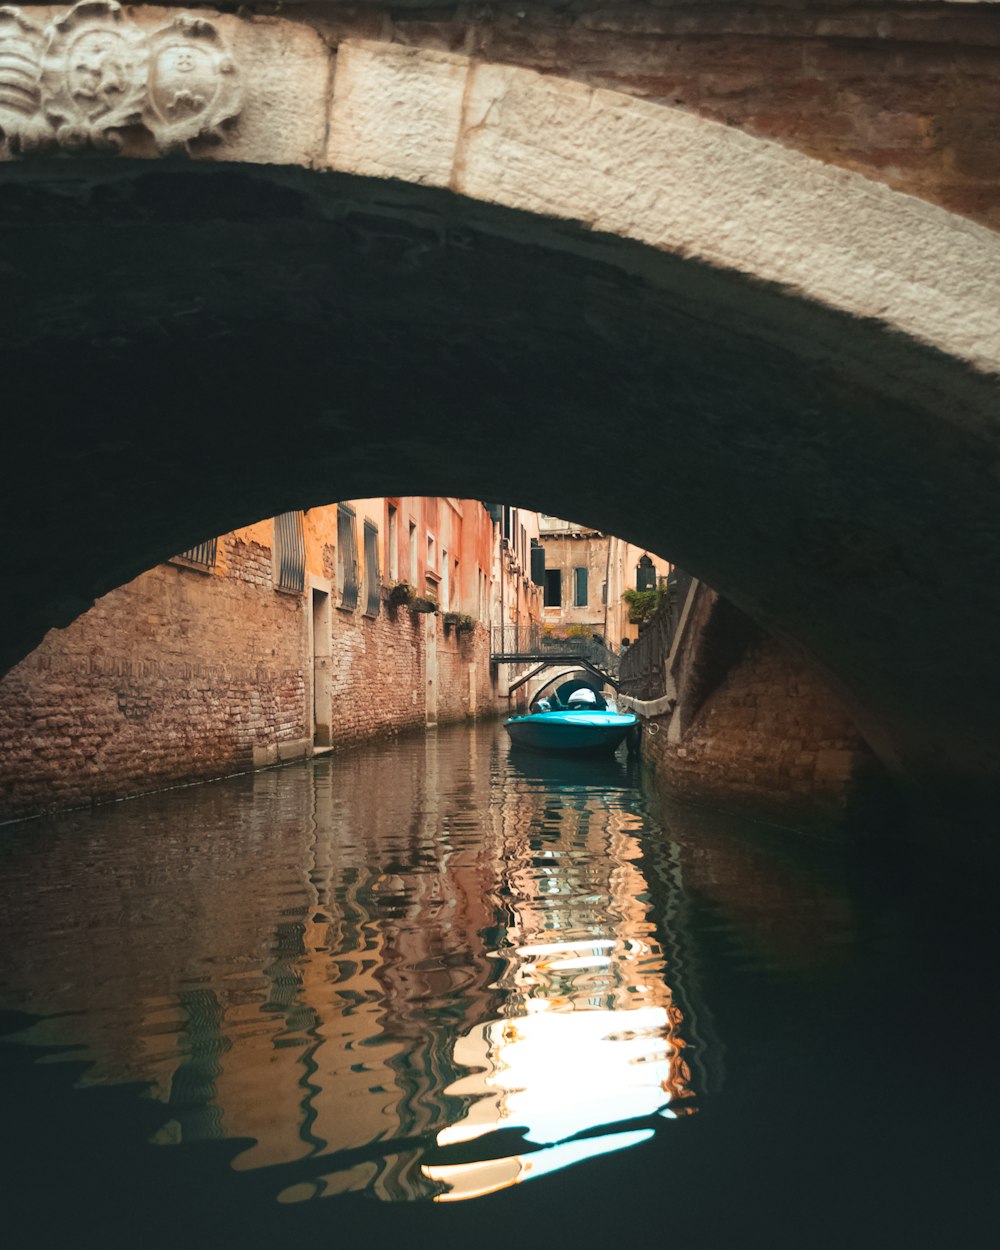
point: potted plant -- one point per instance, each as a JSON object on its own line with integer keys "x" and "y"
{"x": 460, "y": 622}
{"x": 398, "y": 594}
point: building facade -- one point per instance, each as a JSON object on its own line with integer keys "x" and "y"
{"x": 586, "y": 574}
{"x": 301, "y": 633}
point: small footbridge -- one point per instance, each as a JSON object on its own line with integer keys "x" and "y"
{"x": 520, "y": 644}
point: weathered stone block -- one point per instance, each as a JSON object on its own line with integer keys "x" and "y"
{"x": 295, "y": 749}
{"x": 396, "y": 112}
{"x": 835, "y": 765}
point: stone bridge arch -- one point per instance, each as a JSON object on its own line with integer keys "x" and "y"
{"x": 392, "y": 269}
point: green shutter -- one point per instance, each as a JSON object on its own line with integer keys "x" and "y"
{"x": 538, "y": 564}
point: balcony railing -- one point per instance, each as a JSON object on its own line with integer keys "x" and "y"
{"x": 643, "y": 673}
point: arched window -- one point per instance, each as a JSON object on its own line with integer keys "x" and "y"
{"x": 645, "y": 574}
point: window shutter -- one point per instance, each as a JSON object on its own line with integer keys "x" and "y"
{"x": 373, "y": 598}
{"x": 289, "y": 552}
{"x": 538, "y": 564}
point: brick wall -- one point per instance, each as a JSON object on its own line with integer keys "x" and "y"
{"x": 466, "y": 687}
{"x": 182, "y": 674}
{"x": 770, "y": 738}
{"x": 377, "y": 674}
{"x": 177, "y": 675}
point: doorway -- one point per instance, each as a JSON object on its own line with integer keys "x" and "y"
{"x": 322, "y": 646}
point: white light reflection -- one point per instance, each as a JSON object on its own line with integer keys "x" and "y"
{"x": 559, "y": 948}
{"x": 584, "y": 1051}
{"x": 474, "y": 1180}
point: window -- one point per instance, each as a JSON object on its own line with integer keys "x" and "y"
{"x": 645, "y": 574}
{"x": 289, "y": 553}
{"x": 553, "y": 588}
{"x": 445, "y": 586}
{"x": 392, "y": 545}
{"x": 203, "y": 556}
{"x": 430, "y": 551}
{"x": 580, "y": 587}
{"x": 347, "y": 557}
{"x": 413, "y": 553}
{"x": 373, "y": 598}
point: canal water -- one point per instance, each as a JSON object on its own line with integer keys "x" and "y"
{"x": 428, "y": 992}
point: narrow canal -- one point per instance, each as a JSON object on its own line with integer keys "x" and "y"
{"x": 426, "y": 992}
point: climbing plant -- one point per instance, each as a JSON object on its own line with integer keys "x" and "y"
{"x": 644, "y": 604}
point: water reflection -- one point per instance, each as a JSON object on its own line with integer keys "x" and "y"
{"x": 588, "y": 1035}
{"x": 415, "y": 970}
{"x": 422, "y": 971}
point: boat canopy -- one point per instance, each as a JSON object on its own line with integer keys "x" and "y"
{"x": 582, "y": 693}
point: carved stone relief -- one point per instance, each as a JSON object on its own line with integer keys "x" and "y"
{"x": 21, "y": 44}
{"x": 193, "y": 87}
{"x": 93, "y": 74}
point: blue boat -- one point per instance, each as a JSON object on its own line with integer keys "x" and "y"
{"x": 576, "y": 718}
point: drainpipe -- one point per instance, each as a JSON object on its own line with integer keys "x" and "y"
{"x": 607, "y": 591}
{"x": 502, "y": 619}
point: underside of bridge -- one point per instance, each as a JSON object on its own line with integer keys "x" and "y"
{"x": 186, "y": 349}
{"x": 354, "y": 266}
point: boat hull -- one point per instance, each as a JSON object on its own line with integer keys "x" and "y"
{"x": 593, "y": 733}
